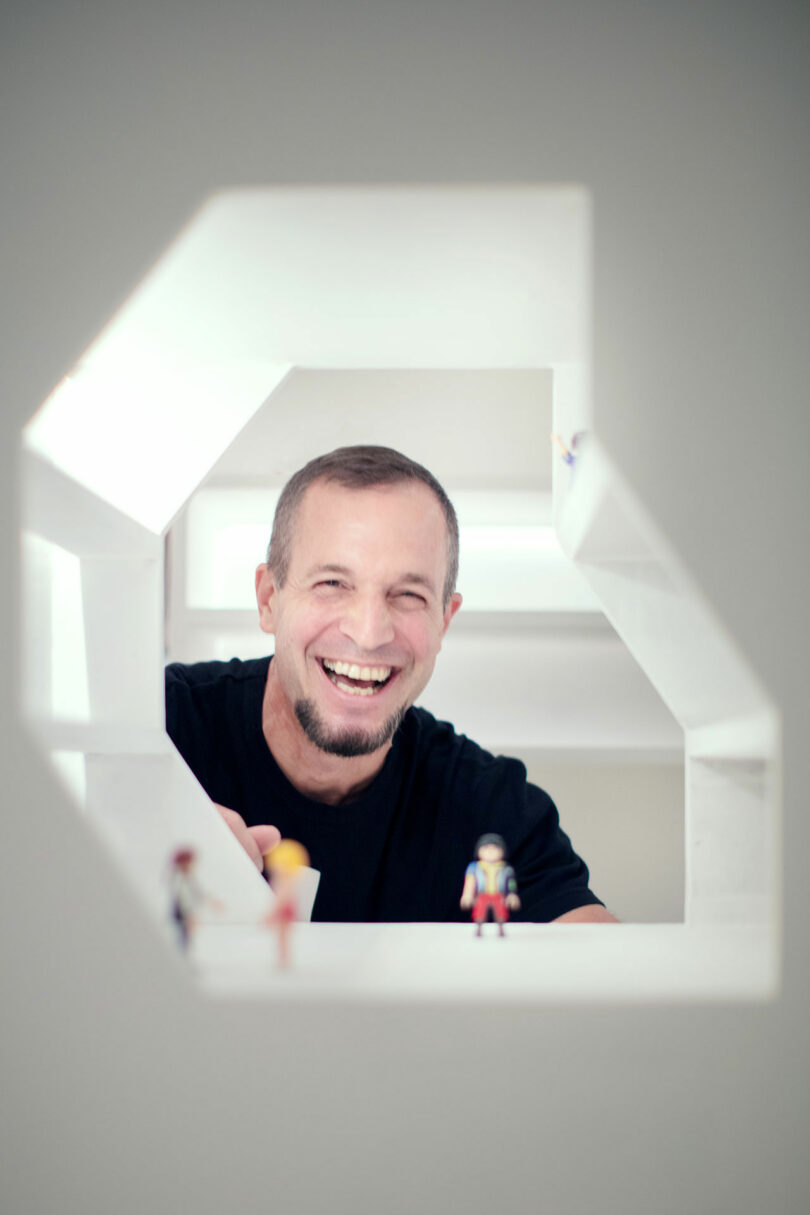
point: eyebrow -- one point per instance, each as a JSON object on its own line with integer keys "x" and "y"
{"x": 418, "y": 580}
{"x": 410, "y": 579}
{"x": 328, "y": 569}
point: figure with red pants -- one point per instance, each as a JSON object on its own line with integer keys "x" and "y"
{"x": 490, "y": 885}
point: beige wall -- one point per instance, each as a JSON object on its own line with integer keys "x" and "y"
{"x": 627, "y": 822}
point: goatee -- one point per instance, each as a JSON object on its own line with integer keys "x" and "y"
{"x": 348, "y": 744}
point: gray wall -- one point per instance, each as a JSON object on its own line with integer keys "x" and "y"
{"x": 120, "y": 1090}
{"x": 626, "y": 820}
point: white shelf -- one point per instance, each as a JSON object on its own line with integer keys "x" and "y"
{"x": 537, "y": 964}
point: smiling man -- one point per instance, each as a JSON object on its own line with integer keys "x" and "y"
{"x": 323, "y": 743}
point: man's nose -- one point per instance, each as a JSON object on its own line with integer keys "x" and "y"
{"x": 367, "y": 622}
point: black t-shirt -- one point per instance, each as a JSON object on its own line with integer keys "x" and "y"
{"x": 399, "y": 851}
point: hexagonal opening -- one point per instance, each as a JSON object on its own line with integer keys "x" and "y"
{"x": 442, "y": 280}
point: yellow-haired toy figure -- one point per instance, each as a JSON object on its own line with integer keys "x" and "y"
{"x": 283, "y": 865}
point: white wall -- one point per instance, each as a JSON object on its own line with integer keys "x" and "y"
{"x": 121, "y": 1090}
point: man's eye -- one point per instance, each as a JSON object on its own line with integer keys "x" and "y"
{"x": 413, "y": 597}
{"x": 329, "y": 584}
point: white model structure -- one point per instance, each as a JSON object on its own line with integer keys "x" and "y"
{"x": 263, "y": 281}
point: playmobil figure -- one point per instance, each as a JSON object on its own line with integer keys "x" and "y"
{"x": 283, "y": 865}
{"x": 186, "y": 894}
{"x": 569, "y": 454}
{"x": 490, "y": 886}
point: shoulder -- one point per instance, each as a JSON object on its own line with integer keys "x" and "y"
{"x": 200, "y": 695}
{"x": 437, "y": 743}
{"x": 440, "y": 738}
{"x": 492, "y": 792}
{"x": 202, "y": 677}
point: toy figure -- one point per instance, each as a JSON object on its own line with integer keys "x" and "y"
{"x": 186, "y": 894}
{"x": 490, "y": 885}
{"x": 283, "y": 865}
{"x": 569, "y": 455}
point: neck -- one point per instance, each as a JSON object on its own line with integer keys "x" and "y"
{"x": 314, "y": 773}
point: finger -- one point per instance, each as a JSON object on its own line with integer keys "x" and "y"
{"x": 242, "y": 833}
{"x": 265, "y": 837}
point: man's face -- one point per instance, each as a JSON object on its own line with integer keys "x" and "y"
{"x": 491, "y": 853}
{"x": 359, "y": 620}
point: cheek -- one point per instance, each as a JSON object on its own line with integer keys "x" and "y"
{"x": 305, "y": 623}
{"x": 423, "y": 638}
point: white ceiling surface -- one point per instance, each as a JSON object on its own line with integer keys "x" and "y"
{"x": 485, "y": 429}
{"x": 568, "y": 691}
{"x": 380, "y": 277}
{"x": 262, "y": 280}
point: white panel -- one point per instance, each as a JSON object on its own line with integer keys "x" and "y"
{"x": 478, "y": 428}
{"x": 733, "y": 735}
{"x": 55, "y": 680}
{"x": 146, "y": 807}
{"x": 142, "y": 432}
{"x": 420, "y": 277}
{"x": 68, "y": 514}
{"x": 731, "y": 842}
{"x": 124, "y": 639}
{"x": 562, "y": 691}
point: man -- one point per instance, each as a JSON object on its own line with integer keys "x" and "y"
{"x": 323, "y": 740}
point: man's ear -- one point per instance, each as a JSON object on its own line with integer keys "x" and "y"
{"x": 449, "y": 612}
{"x": 265, "y": 598}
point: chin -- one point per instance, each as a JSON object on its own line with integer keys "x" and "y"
{"x": 346, "y": 741}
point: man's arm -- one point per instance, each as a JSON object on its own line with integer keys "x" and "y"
{"x": 593, "y": 913}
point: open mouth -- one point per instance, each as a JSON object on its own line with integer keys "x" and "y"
{"x": 357, "y": 680}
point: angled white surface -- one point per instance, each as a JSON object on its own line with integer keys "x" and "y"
{"x": 142, "y": 430}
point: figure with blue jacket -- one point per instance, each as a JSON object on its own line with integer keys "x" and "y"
{"x": 490, "y": 886}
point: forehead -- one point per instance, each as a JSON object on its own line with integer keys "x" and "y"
{"x": 405, "y": 518}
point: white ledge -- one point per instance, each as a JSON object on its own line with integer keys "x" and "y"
{"x": 535, "y": 964}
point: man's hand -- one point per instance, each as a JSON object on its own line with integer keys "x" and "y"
{"x": 255, "y": 840}
{"x": 513, "y": 901}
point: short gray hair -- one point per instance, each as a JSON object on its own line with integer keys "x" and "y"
{"x": 358, "y": 467}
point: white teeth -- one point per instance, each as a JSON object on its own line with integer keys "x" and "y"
{"x": 354, "y": 691}
{"x": 378, "y": 674}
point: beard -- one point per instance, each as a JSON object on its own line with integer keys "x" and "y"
{"x": 348, "y": 744}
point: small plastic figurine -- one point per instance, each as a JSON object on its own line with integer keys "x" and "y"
{"x": 186, "y": 894}
{"x": 490, "y": 885}
{"x": 283, "y": 865}
{"x": 569, "y": 455}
